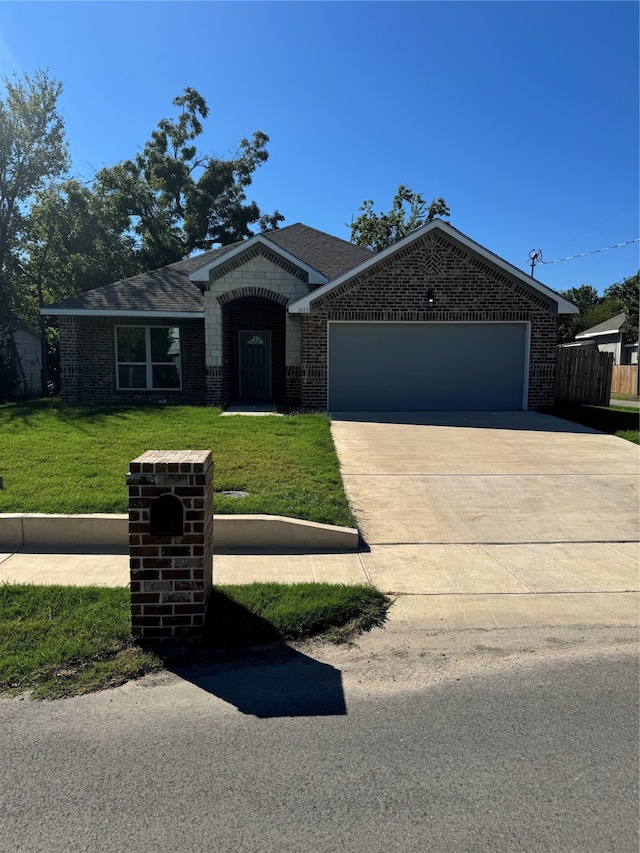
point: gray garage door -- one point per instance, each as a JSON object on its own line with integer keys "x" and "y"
{"x": 427, "y": 366}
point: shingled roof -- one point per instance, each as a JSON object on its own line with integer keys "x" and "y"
{"x": 328, "y": 254}
{"x": 168, "y": 289}
{"x": 608, "y": 327}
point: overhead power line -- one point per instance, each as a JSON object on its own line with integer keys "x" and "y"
{"x": 592, "y": 252}
{"x": 535, "y": 255}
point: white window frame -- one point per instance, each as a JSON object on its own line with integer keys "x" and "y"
{"x": 148, "y": 364}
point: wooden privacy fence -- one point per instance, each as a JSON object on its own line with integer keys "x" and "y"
{"x": 624, "y": 379}
{"x": 583, "y": 376}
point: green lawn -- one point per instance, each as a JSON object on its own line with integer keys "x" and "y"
{"x": 58, "y": 641}
{"x": 615, "y": 420}
{"x": 57, "y": 458}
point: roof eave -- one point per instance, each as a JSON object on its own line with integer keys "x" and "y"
{"x": 119, "y": 312}
{"x": 589, "y": 334}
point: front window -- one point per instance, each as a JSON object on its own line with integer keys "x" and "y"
{"x": 148, "y": 357}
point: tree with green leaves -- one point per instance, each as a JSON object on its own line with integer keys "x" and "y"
{"x": 584, "y": 297}
{"x": 33, "y": 152}
{"x": 587, "y": 299}
{"x": 75, "y": 240}
{"x": 179, "y": 199}
{"x": 627, "y": 293}
{"x": 594, "y": 309}
{"x": 409, "y": 211}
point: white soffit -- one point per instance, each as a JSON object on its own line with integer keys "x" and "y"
{"x": 303, "y": 306}
{"x": 202, "y": 274}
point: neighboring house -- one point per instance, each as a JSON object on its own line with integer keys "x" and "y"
{"x": 301, "y": 318}
{"x": 610, "y": 337}
{"x": 27, "y": 342}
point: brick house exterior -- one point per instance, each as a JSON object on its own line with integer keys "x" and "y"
{"x": 88, "y": 358}
{"x": 258, "y": 320}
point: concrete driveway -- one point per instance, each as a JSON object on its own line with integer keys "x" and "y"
{"x": 491, "y": 503}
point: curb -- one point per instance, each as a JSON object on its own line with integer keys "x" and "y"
{"x": 232, "y": 532}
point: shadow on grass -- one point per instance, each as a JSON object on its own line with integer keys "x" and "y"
{"x": 243, "y": 661}
{"x": 79, "y": 416}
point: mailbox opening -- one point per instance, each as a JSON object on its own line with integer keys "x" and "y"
{"x": 166, "y": 516}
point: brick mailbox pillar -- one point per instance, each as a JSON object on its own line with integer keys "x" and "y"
{"x": 170, "y": 542}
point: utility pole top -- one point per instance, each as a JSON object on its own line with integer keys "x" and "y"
{"x": 535, "y": 256}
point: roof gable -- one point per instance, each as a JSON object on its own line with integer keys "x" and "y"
{"x": 563, "y": 306}
{"x": 322, "y": 256}
{"x": 202, "y": 274}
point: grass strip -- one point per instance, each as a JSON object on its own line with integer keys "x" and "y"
{"x": 58, "y": 641}
{"x": 619, "y": 421}
{"x": 58, "y": 458}
{"x": 252, "y": 614}
{"x": 61, "y": 641}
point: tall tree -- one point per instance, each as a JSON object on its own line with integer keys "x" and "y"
{"x": 178, "y": 198}
{"x": 409, "y": 211}
{"x": 627, "y": 293}
{"x": 75, "y": 240}
{"x": 583, "y": 297}
{"x": 33, "y": 151}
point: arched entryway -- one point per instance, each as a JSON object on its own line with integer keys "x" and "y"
{"x": 254, "y": 347}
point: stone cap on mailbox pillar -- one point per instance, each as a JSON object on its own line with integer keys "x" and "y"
{"x": 154, "y": 462}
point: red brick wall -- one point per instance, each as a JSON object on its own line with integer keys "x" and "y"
{"x": 465, "y": 289}
{"x": 88, "y": 360}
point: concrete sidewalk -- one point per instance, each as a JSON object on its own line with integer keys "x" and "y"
{"x": 110, "y": 567}
{"x": 450, "y": 569}
{"x": 627, "y": 404}
{"x": 467, "y": 587}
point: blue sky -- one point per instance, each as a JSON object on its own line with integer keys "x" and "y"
{"x": 523, "y": 116}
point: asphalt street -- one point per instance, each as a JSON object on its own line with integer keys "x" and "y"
{"x": 297, "y": 752}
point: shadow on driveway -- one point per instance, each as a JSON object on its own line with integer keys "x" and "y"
{"x": 527, "y": 421}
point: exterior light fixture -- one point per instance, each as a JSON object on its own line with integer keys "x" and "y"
{"x": 430, "y": 299}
